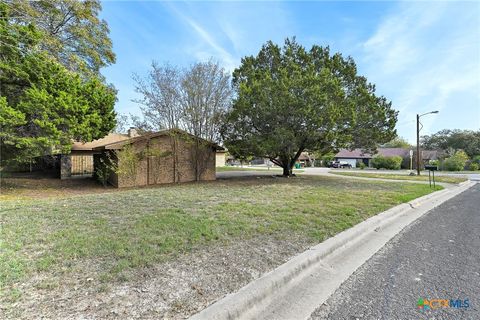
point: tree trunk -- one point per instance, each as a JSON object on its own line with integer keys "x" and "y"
{"x": 287, "y": 170}
{"x": 288, "y": 163}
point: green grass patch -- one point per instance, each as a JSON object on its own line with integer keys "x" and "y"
{"x": 423, "y": 177}
{"x": 136, "y": 228}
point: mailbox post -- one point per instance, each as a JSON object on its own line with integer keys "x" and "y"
{"x": 431, "y": 169}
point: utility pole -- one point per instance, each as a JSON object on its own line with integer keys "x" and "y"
{"x": 418, "y": 145}
{"x": 418, "y": 138}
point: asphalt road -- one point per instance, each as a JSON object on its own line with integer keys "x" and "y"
{"x": 436, "y": 257}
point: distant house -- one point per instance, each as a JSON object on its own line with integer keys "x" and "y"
{"x": 354, "y": 157}
{"x": 305, "y": 160}
{"x": 162, "y": 157}
{"x": 429, "y": 155}
{"x": 79, "y": 163}
{"x": 220, "y": 158}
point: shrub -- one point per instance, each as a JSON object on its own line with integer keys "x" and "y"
{"x": 473, "y": 166}
{"x": 456, "y": 162}
{"x": 476, "y": 159}
{"x": 361, "y": 165}
{"x": 327, "y": 158}
{"x": 104, "y": 166}
{"x": 394, "y": 162}
{"x": 391, "y": 163}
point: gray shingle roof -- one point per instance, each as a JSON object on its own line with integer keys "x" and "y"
{"x": 359, "y": 154}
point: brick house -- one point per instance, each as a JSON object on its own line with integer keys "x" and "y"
{"x": 166, "y": 156}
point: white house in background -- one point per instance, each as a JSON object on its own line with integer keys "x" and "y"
{"x": 220, "y": 158}
{"x": 353, "y": 157}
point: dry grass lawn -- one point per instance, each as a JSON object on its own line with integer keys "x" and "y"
{"x": 72, "y": 248}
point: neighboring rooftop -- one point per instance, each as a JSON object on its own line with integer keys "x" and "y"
{"x": 390, "y": 152}
{"x": 386, "y": 152}
{"x": 304, "y": 156}
{"x": 354, "y": 154}
{"x": 359, "y": 154}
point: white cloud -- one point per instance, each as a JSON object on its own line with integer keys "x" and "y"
{"x": 227, "y": 59}
{"x": 248, "y": 26}
{"x": 213, "y": 47}
{"x": 229, "y": 30}
{"x": 422, "y": 56}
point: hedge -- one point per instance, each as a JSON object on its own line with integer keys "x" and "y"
{"x": 391, "y": 163}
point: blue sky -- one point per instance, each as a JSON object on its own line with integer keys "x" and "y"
{"x": 421, "y": 55}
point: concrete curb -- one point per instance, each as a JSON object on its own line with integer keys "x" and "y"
{"x": 443, "y": 184}
{"x": 250, "y": 301}
{"x": 465, "y": 182}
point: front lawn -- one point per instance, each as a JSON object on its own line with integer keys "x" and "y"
{"x": 108, "y": 235}
{"x": 423, "y": 177}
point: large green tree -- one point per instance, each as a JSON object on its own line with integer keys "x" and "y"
{"x": 451, "y": 141}
{"x": 43, "y": 105}
{"x": 71, "y": 31}
{"x": 290, "y": 100}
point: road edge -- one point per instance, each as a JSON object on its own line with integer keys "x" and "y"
{"x": 257, "y": 295}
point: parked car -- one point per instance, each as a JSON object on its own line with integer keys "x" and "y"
{"x": 340, "y": 164}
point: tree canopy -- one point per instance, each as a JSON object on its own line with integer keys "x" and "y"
{"x": 45, "y": 106}
{"x": 71, "y": 31}
{"x": 191, "y": 99}
{"x": 289, "y": 100}
{"x": 453, "y": 140}
{"x": 397, "y": 142}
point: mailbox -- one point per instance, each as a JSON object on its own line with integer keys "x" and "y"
{"x": 431, "y": 177}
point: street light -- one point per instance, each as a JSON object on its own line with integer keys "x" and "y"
{"x": 418, "y": 138}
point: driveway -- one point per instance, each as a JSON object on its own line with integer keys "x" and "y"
{"x": 239, "y": 174}
{"x": 437, "y": 257}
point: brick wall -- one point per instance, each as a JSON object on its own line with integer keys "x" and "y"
{"x": 159, "y": 165}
